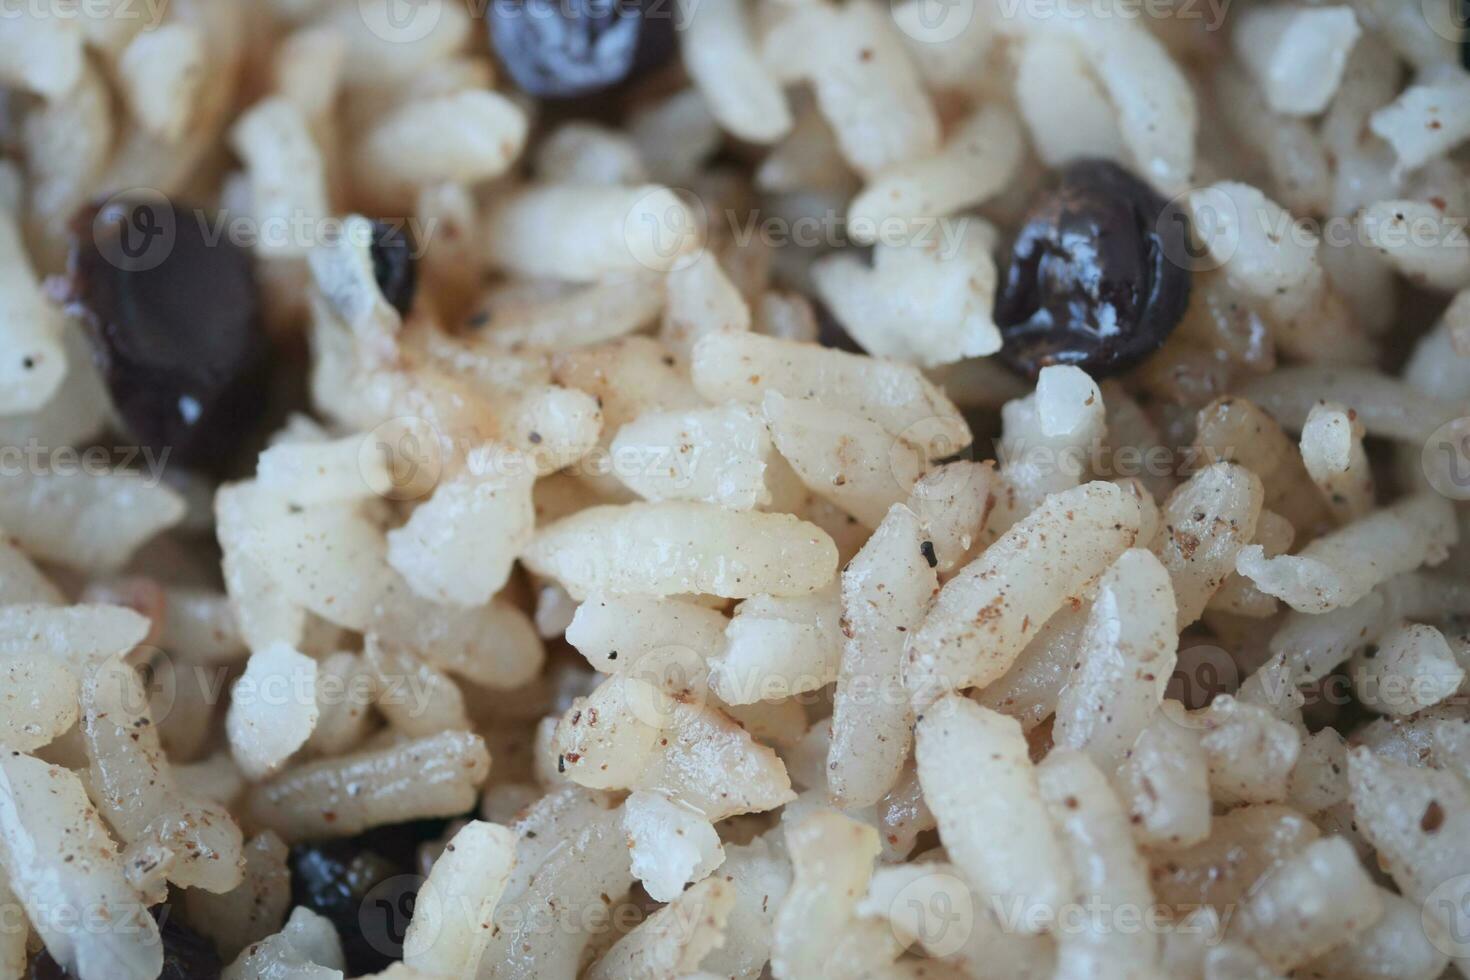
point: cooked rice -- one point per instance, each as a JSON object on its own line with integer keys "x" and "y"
{"x": 668, "y": 484}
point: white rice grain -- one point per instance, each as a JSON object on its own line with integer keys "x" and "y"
{"x": 1297, "y": 54}
{"x": 452, "y": 915}
{"x": 458, "y": 547}
{"x": 1425, "y": 121}
{"x": 1419, "y": 241}
{"x": 1342, "y": 567}
{"x": 722, "y": 59}
{"x": 1411, "y": 669}
{"x": 614, "y": 633}
{"x": 35, "y": 363}
{"x": 743, "y": 366}
{"x": 1105, "y": 865}
{"x": 1314, "y": 901}
{"x": 1164, "y": 784}
{"x": 273, "y": 709}
{"x": 987, "y": 613}
{"x": 977, "y": 775}
{"x": 1066, "y": 112}
{"x": 39, "y": 695}
{"x": 1332, "y": 449}
{"x": 885, "y": 591}
{"x": 586, "y": 233}
{"x": 671, "y": 845}
{"x": 924, "y": 301}
{"x": 62, "y": 864}
{"x": 254, "y": 909}
{"x": 428, "y": 777}
{"x": 70, "y": 517}
{"x": 865, "y": 85}
{"x": 715, "y": 455}
{"x": 1206, "y": 522}
{"x": 975, "y": 163}
{"x": 306, "y": 947}
{"x": 778, "y": 647}
{"x": 849, "y": 461}
{"x": 1128, "y": 650}
{"x": 672, "y": 548}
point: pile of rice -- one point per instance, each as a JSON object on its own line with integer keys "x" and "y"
{"x": 731, "y": 653}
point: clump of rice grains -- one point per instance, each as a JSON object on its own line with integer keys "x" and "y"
{"x": 645, "y": 564}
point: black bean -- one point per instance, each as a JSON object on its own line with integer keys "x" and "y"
{"x": 173, "y": 312}
{"x": 366, "y": 887}
{"x": 1097, "y": 275}
{"x": 1462, "y": 15}
{"x": 570, "y": 49}
{"x": 830, "y": 333}
{"x": 186, "y": 954}
{"x": 393, "y": 266}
